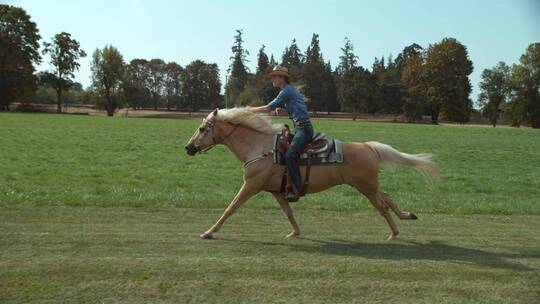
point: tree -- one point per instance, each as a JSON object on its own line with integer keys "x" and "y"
{"x": 210, "y": 77}
{"x": 64, "y": 52}
{"x": 154, "y": 82}
{"x": 262, "y": 61}
{"x": 408, "y": 52}
{"x": 447, "y": 71}
{"x": 319, "y": 87}
{"x": 293, "y": 59}
{"x": 348, "y": 60}
{"x": 526, "y": 87}
{"x": 331, "y": 103}
{"x": 134, "y": 83}
{"x": 495, "y": 91}
{"x": 172, "y": 83}
{"x": 413, "y": 79}
{"x": 313, "y": 75}
{"x": 238, "y": 71}
{"x": 19, "y": 51}
{"x": 200, "y": 86}
{"x": 107, "y": 72}
{"x": 358, "y": 90}
{"x": 272, "y": 61}
{"x": 313, "y": 52}
{"x": 389, "y": 90}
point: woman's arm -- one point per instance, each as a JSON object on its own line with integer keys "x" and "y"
{"x": 261, "y": 109}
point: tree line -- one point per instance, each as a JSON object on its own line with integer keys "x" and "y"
{"x": 417, "y": 82}
{"x": 431, "y": 81}
{"x": 513, "y": 91}
{"x": 139, "y": 83}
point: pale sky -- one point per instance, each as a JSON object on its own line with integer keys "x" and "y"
{"x": 183, "y": 31}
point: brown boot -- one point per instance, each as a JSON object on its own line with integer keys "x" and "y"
{"x": 292, "y": 195}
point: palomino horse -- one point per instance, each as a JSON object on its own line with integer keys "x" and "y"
{"x": 250, "y": 137}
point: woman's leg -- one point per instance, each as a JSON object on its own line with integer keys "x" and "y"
{"x": 302, "y": 136}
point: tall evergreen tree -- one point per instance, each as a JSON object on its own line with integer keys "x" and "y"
{"x": 358, "y": 90}
{"x": 319, "y": 86}
{"x": 273, "y": 62}
{"x": 348, "y": 60}
{"x": 238, "y": 70}
{"x": 261, "y": 86}
{"x": 313, "y": 52}
{"x": 331, "y": 102}
{"x": 262, "y": 61}
{"x": 292, "y": 57}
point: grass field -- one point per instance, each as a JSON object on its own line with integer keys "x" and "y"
{"x": 476, "y": 241}
{"x": 82, "y": 161}
{"x": 154, "y": 255}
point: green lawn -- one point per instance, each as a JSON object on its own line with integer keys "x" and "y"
{"x": 108, "y": 210}
{"x": 101, "y": 161}
{"x": 153, "y": 255}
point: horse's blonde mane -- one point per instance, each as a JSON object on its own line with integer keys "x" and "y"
{"x": 240, "y": 116}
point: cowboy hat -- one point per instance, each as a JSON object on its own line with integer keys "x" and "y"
{"x": 280, "y": 71}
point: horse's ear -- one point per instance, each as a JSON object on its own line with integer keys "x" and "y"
{"x": 215, "y": 111}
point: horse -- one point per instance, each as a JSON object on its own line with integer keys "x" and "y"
{"x": 250, "y": 138}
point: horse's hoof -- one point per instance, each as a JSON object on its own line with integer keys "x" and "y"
{"x": 392, "y": 237}
{"x": 413, "y": 216}
{"x": 292, "y": 234}
{"x": 206, "y": 236}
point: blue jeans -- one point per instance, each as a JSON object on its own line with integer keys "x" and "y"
{"x": 302, "y": 136}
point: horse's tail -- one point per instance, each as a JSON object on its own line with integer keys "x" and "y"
{"x": 389, "y": 155}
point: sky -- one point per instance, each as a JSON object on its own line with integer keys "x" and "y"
{"x": 183, "y": 31}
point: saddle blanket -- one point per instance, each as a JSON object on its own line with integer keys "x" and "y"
{"x": 332, "y": 153}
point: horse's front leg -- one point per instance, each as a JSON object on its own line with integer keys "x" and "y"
{"x": 288, "y": 211}
{"x": 241, "y": 197}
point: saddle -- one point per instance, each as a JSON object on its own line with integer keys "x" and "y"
{"x": 318, "y": 151}
{"x": 318, "y": 142}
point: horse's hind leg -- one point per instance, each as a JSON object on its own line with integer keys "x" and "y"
{"x": 377, "y": 201}
{"x": 402, "y": 215}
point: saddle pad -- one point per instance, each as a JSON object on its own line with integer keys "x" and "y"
{"x": 333, "y": 154}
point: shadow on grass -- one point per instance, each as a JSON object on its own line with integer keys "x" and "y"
{"x": 406, "y": 250}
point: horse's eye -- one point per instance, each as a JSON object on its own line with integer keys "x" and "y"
{"x": 201, "y": 129}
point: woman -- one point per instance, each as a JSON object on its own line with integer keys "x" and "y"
{"x": 294, "y": 104}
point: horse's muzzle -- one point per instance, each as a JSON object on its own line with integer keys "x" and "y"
{"x": 191, "y": 149}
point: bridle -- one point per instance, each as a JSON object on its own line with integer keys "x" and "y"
{"x": 209, "y": 126}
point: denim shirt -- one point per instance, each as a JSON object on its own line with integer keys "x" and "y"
{"x": 292, "y": 101}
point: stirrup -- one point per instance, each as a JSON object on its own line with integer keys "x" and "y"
{"x": 292, "y": 195}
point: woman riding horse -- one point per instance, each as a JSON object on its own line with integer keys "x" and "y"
{"x": 294, "y": 104}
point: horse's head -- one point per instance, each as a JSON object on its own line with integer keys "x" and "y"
{"x": 204, "y": 137}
